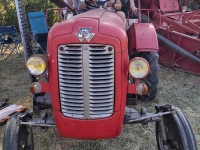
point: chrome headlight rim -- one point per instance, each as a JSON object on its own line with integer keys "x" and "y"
{"x": 136, "y": 59}
{"x": 42, "y": 58}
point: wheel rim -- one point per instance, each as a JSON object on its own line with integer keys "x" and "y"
{"x": 172, "y": 140}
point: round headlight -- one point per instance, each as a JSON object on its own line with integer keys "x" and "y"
{"x": 138, "y": 68}
{"x": 37, "y": 64}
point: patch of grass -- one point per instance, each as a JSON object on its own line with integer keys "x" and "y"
{"x": 177, "y": 88}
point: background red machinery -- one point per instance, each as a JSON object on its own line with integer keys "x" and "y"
{"x": 178, "y": 34}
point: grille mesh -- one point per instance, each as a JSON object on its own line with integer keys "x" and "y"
{"x": 86, "y": 78}
{"x": 101, "y": 67}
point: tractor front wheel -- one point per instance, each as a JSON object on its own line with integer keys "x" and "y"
{"x": 152, "y": 79}
{"x": 178, "y": 133}
{"x": 17, "y": 137}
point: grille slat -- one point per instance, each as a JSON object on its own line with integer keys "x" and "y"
{"x": 100, "y": 69}
{"x": 75, "y": 57}
{"x": 94, "y": 101}
{"x": 101, "y": 85}
{"x": 100, "y": 97}
{"x": 101, "y": 65}
{"x": 72, "y": 89}
{"x": 70, "y": 77}
{"x": 99, "y": 61}
{"x": 71, "y": 111}
{"x": 66, "y": 60}
{"x": 72, "y": 93}
{"x": 74, "y": 48}
{"x": 69, "y": 73}
{"x": 65, "y": 97}
{"x": 101, "y": 73}
{"x": 77, "y": 66}
{"x": 92, "y": 57}
{"x": 74, "y": 109}
{"x": 71, "y": 81}
{"x": 102, "y": 112}
{"x": 73, "y": 104}
{"x": 73, "y": 52}
{"x": 71, "y": 69}
{"x": 100, "y": 93}
{"x": 100, "y": 105}
{"x": 63, "y": 85}
{"x": 86, "y": 79}
{"x": 101, "y": 89}
{"x": 100, "y": 53}
{"x": 98, "y": 82}
{"x": 75, "y": 101}
{"x": 101, "y": 77}
{"x": 100, "y": 108}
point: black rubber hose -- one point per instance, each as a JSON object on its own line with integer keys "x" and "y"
{"x": 177, "y": 49}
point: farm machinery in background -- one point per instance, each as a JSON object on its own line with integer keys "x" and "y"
{"x": 178, "y": 31}
{"x": 92, "y": 68}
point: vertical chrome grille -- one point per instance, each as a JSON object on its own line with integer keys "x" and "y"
{"x": 101, "y": 80}
{"x": 71, "y": 81}
{"x": 86, "y": 78}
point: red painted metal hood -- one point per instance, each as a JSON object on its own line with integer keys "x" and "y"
{"x": 109, "y": 29}
{"x": 101, "y": 21}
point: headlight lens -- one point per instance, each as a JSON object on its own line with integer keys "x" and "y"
{"x": 138, "y": 68}
{"x": 37, "y": 64}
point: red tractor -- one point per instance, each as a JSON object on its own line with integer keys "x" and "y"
{"x": 92, "y": 67}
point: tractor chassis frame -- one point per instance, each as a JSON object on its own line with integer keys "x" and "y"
{"x": 131, "y": 116}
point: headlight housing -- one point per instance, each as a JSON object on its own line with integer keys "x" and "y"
{"x": 138, "y": 68}
{"x": 37, "y": 64}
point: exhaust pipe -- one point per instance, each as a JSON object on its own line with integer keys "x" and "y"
{"x": 177, "y": 49}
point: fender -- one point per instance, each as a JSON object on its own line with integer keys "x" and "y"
{"x": 142, "y": 38}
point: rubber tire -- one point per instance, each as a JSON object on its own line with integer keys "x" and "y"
{"x": 152, "y": 79}
{"x": 13, "y": 134}
{"x": 181, "y": 129}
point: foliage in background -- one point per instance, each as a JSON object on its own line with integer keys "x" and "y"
{"x": 8, "y": 14}
{"x": 190, "y": 3}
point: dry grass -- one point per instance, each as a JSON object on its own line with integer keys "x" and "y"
{"x": 177, "y": 88}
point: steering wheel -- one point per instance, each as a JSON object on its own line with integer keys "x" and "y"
{"x": 99, "y": 4}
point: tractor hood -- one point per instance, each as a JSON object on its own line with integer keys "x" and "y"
{"x": 97, "y": 21}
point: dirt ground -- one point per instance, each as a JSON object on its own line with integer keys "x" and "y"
{"x": 177, "y": 88}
